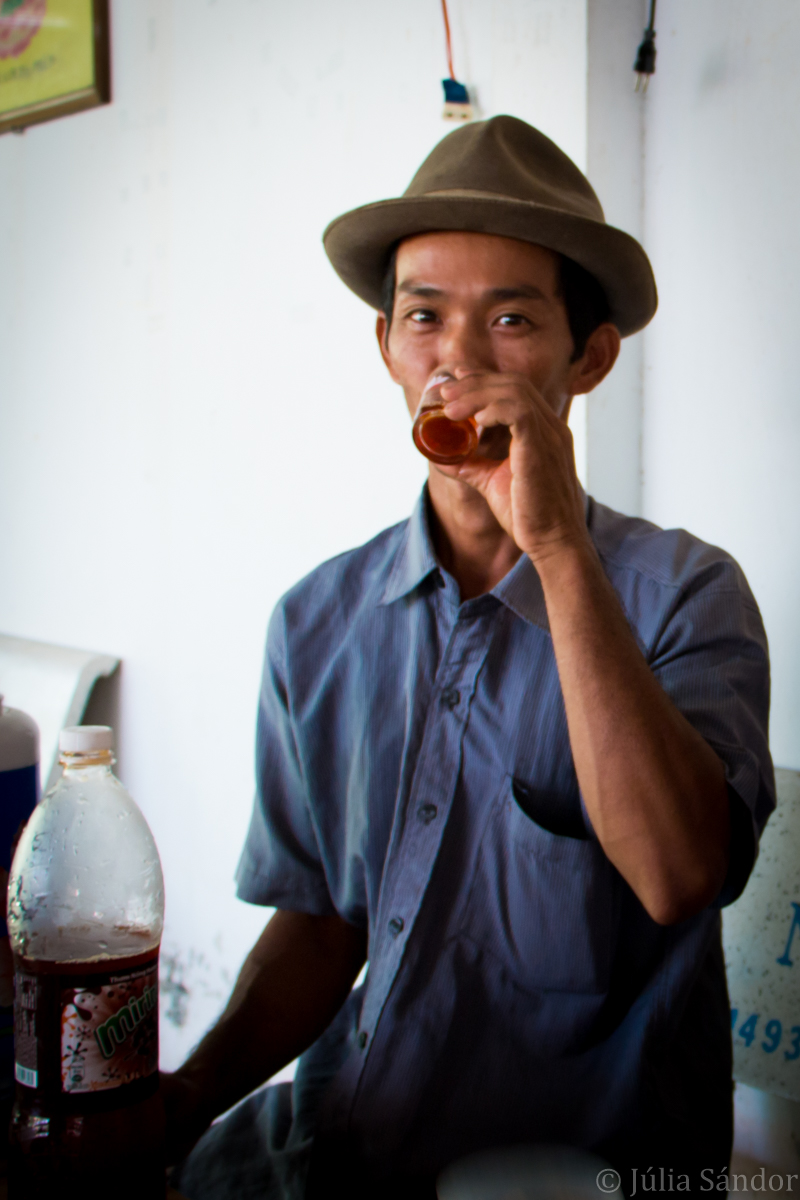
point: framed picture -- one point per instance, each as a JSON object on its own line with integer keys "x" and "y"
{"x": 54, "y": 59}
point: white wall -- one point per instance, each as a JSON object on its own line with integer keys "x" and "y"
{"x": 192, "y": 410}
{"x": 722, "y": 409}
{"x": 615, "y": 159}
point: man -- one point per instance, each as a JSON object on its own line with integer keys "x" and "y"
{"x": 512, "y": 750}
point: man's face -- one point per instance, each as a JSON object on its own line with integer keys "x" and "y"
{"x": 479, "y": 302}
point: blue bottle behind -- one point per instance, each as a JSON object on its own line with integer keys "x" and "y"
{"x": 19, "y": 794}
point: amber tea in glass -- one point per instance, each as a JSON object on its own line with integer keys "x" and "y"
{"x": 438, "y": 438}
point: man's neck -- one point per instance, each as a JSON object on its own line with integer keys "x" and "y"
{"x": 469, "y": 542}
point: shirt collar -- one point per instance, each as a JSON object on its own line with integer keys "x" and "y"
{"x": 415, "y": 558}
{"x": 520, "y": 590}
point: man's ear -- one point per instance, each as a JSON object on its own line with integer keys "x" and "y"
{"x": 602, "y": 351}
{"x": 381, "y": 332}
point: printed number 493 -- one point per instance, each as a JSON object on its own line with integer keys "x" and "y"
{"x": 773, "y": 1031}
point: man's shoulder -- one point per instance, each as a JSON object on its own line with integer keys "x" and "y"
{"x": 341, "y": 585}
{"x": 672, "y": 559}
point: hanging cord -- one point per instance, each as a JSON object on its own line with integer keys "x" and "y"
{"x": 456, "y": 99}
{"x": 448, "y": 40}
{"x": 645, "y": 64}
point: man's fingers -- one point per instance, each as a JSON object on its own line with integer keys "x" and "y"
{"x": 477, "y": 389}
{"x": 489, "y": 411}
{"x": 515, "y": 413}
{"x": 497, "y": 403}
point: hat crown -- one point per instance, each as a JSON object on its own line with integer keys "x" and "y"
{"x": 504, "y": 178}
{"x": 505, "y": 156}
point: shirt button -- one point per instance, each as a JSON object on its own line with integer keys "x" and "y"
{"x": 362, "y": 1039}
{"x": 396, "y": 926}
{"x": 450, "y": 698}
{"x": 427, "y": 813}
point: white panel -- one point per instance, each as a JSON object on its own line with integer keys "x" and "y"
{"x": 762, "y": 955}
{"x": 52, "y": 684}
{"x": 615, "y": 132}
{"x": 722, "y": 419}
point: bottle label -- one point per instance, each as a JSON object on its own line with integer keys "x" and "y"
{"x": 25, "y": 1049}
{"x": 105, "y": 1026}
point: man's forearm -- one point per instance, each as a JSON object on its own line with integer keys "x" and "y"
{"x": 291, "y": 986}
{"x": 654, "y": 789}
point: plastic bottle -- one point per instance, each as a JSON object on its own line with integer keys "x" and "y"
{"x": 435, "y": 435}
{"x": 19, "y": 791}
{"x": 85, "y": 914}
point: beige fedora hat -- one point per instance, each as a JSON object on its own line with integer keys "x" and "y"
{"x": 499, "y": 176}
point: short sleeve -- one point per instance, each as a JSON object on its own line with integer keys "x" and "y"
{"x": 280, "y": 863}
{"x": 712, "y": 660}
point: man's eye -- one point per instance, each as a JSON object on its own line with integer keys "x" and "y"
{"x": 422, "y": 316}
{"x": 511, "y": 319}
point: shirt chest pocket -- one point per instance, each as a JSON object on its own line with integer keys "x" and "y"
{"x": 545, "y": 904}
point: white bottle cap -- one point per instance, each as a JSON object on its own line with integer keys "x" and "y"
{"x": 85, "y": 739}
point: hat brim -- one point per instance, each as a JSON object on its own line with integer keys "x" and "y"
{"x": 360, "y": 242}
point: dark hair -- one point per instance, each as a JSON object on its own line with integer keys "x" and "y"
{"x": 388, "y": 287}
{"x": 584, "y": 299}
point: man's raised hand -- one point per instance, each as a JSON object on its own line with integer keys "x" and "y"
{"x": 533, "y": 491}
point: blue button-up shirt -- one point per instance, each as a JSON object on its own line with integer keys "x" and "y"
{"x": 415, "y": 776}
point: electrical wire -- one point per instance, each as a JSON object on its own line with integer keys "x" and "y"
{"x": 652, "y": 22}
{"x": 448, "y": 40}
{"x": 457, "y": 106}
{"x": 645, "y": 64}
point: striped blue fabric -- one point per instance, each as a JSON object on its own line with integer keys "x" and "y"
{"x": 415, "y": 777}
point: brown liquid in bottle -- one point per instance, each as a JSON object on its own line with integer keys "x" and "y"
{"x": 81, "y": 1143}
{"x": 437, "y": 437}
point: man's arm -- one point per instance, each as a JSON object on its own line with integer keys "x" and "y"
{"x": 292, "y": 984}
{"x": 654, "y": 789}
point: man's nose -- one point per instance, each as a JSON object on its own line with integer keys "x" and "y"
{"x": 465, "y": 348}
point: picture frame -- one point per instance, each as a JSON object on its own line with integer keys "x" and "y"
{"x": 54, "y": 59}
